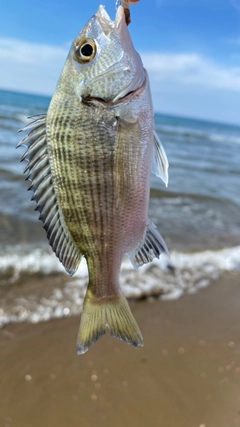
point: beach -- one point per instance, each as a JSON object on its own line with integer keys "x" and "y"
{"x": 186, "y": 375}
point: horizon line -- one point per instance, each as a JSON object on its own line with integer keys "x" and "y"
{"x": 200, "y": 119}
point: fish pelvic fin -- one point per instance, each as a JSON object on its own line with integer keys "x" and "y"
{"x": 112, "y": 313}
{"x": 151, "y": 246}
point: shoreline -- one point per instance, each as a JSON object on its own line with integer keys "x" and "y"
{"x": 35, "y": 287}
{"x": 186, "y": 375}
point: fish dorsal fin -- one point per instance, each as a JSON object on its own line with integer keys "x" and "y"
{"x": 39, "y": 174}
{"x": 160, "y": 162}
{"x": 151, "y": 246}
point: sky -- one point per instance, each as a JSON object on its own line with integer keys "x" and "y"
{"x": 191, "y": 49}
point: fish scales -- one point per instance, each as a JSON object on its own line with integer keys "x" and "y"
{"x": 89, "y": 161}
{"x": 94, "y": 185}
{"x": 82, "y": 185}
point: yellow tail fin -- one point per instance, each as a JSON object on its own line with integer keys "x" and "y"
{"x": 114, "y": 314}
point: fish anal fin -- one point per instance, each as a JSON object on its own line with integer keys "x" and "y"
{"x": 112, "y": 313}
{"x": 151, "y": 246}
{"x": 159, "y": 162}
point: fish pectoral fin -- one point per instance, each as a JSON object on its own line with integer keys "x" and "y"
{"x": 159, "y": 162}
{"x": 151, "y": 246}
{"x": 113, "y": 313}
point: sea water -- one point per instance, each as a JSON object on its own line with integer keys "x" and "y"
{"x": 198, "y": 216}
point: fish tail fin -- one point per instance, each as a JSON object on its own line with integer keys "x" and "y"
{"x": 98, "y": 315}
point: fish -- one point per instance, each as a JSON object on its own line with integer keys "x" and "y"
{"x": 89, "y": 161}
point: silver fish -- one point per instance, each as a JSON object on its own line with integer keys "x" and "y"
{"x": 89, "y": 163}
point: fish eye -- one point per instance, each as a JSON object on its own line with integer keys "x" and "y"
{"x": 85, "y": 50}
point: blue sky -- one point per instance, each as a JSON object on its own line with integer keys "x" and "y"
{"x": 190, "y": 48}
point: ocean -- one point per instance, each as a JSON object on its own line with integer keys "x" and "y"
{"x": 198, "y": 216}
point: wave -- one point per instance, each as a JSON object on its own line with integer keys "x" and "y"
{"x": 52, "y": 296}
{"x": 199, "y": 134}
{"x": 19, "y": 261}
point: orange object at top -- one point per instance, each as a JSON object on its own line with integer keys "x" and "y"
{"x": 127, "y": 3}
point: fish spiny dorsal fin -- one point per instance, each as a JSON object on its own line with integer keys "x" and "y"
{"x": 39, "y": 174}
{"x": 109, "y": 313}
{"x": 160, "y": 162}
{"x": 151, "y": 246}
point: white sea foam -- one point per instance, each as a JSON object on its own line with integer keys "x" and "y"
{"x": 22, "y": 118}
{"x": 20, "y": 262}
{"x": 234, "y": 139}
{"x": 166, "y": 279}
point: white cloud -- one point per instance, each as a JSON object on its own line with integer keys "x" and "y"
{"x": 182, "y": 83}
{"x": 29, "y": 53}
{"x": 191, "y": 70}
{"x": 30, "y": 67}
{"x": 194, "y": 86}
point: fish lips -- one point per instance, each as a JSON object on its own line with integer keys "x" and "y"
{"x": 125, "y": 96}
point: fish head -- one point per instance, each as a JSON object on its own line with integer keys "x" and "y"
{"x": 102, "y": 62}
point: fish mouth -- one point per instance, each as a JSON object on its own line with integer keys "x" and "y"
{"x": 105, "y": 21}
{"x": 125, "y": 96}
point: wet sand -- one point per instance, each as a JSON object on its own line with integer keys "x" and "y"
{"x": 187, "y": 374}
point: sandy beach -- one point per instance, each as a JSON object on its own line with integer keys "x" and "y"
{"x": 187, "y": 374}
